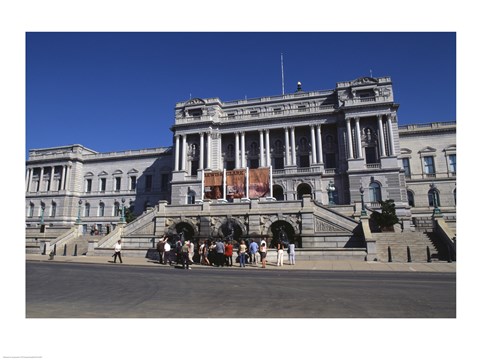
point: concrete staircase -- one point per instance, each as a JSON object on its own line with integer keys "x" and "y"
{"x": 400, "y": 243}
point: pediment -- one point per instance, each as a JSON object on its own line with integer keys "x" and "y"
{"x": 452, "y": 147}
{"x": 427, "y": 149}
{"x": 195, "y": 101}
{"x": 103, "y": 173}
{"x": 364, "y": 81}
{"x": 405, "y": 151}
{"x": 117, "y": 172}
{"x": 132, "y": 171}
{"x": 88, "y": 174}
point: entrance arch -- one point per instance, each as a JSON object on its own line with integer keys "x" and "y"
{"x": 283, "y": 231}
{"x": 278, "y": 192}
{"x": 303, "y": 189}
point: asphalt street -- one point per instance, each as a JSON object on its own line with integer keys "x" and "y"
{"x": 69, "y": 290}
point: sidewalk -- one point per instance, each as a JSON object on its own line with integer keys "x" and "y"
{"x": 332, "y": 265}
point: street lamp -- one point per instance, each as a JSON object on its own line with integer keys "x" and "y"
{"x": 330, "y": 189}
{"x": 433, "y": 189}
{"x": 42, "y": 207}
{"x": 79, "y": 210}
{"x": 363, "y": 212}
{"x": 122, "y": 219}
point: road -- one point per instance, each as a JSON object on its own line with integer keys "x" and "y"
{"x": 62, "y": 290}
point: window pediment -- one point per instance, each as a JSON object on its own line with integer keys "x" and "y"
{"x": 103, "y": 173}
{"x": 427, "y": 149}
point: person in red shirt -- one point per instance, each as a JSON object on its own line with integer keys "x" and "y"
{"x": 229, "y": 253}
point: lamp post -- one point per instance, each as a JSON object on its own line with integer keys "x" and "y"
{"x": 363, "y": 212}
{"x": 79, "y": 220}
{"x": 330, "y": 190}
{"x": 42, "y": 207}
{"x": 122, "y": 219}
{"x": 436, "y": 209}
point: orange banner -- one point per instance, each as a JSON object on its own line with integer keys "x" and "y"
{"x": 213, "y": 185}
{"x": 235, "y": 184}
{"x": 259, "y": 183}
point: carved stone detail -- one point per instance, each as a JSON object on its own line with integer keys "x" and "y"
{"x": 321, "y": 225}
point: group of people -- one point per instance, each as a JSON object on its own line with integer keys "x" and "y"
{"x": 219, "y": 253}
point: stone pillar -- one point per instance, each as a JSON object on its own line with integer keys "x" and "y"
{"x": 27, "y": 180}
{"x": 202, "y": 150}
{"x": 237, "y": 151}
{"x": 380, "y": 135}
{"x": 294, "y": 150}
{"x": 349, "y": 139}
{"x": 64, "y": 173}
{"x": 262, "y": 156}
{"x": 287, "y": 148}
{"x": 40, "y": 180}
{"x": 67, "y": 175}
{"x": 267, "y": 143}
{"x": 314, "y": 144}
{"x": 209, "y": 149}
{"x": 177, "y": 151}
{"x": 52, "y": 170}
{"x": 359, "y": 138}
{"x": 242, "y": 155}
{"x": 184, "y": 152}
{"x": 390, "y": 135}
{"x": 319, "y": 144}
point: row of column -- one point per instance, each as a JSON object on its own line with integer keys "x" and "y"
{"x": 381, "y": 137}
{"x": 63, "y": 184}
{"x": 240, "y": 154}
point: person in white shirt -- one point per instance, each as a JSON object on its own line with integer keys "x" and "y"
{"x": 118, "y": 249}
{"x": 166, "y": 252}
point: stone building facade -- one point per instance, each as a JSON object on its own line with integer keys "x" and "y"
{"x": 326, "y": 151}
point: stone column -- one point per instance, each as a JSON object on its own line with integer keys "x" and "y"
{"x": 380, "y": 135}
{"x": 314, "y": 144}
{"x": 242, "y": 155}
{"x": 267, "y": 143}
{"x": 40, "y": 180}
{"x": 319, "y": 144}
{"x": 209, "y": 149}
{"x": 64, "y": 173}
{"x": 349, "y": 139}
{"x": 294, "y": 150}
{"x": 177, "y": 151}
{"x": 184, "y": 152}
{"x": 27, "y": 180}
{"x": 262, "y": 162}
{"x": 359, "y": 138}
{"x": 202, "y": 150}
{"x": 237, "y": 151}
{"x": 390, "y": 135}
{"x": 52, "y": 170}
{"x": 287, "y": 148}
{"x": 67, "y": 175}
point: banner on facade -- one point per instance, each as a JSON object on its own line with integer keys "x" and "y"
{"x": 235, "y": 184}
{"x": 213, "y": 185}
{"x": 259, "y": 183}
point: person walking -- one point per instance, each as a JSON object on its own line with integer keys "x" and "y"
{"x": 253, "y": 250}
{"x": 263, "y": 253}
{"x": 242, "y": 250}
{"x": 220, "y": 249}
{"x": 291, "y": 253}
{"x": 229, "y": 253}
{"x": 280, "y": 248}
{"x": 161, "y": 249}
{"x": 178, "y": 251}
{"x": 185, "y": 260}
{"x": 191, "y": 251}
{"x": 117, "y": 253}
{"x": 166, "y": 252}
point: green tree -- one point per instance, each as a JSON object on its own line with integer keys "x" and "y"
{"x": 388, "y": 217}
{"x": 129, "y": 216}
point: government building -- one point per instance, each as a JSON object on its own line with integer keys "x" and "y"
{"x": 313, "y": 163}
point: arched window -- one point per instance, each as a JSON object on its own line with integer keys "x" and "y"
{"x": 31, "y": 210}
{"x": 411, "y": 198}
{"x": 116, "y": 209}
{"x": 375, "y": 192}
{"x": 87, "y": 210}
{"x": 433, "y": 198}
{"x": 278, "y": 192}
{"x": 303, "y": 189}
{"x": 101, "y": 209}
{"x": 53, "y": 209}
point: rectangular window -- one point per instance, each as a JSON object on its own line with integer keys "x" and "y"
{"x": 165, "y": 181}
{"x": 103, "y": 184}
{"x": 230, "y": 165}
{"x": 330, "y": 161}
{"x": 254, "y": 163}
{"x": 148, "y": 183}
{"x": 118, "y": 183}
{"x": 406, "y": 167}
{"x": 452, "y": 163}
{"x": 194, "y": 171}
{"x": 371, "y": 155}
{"x": 304, "y": 161}
{"x": 278, "y": 162}
{"x": 133, "y": 182}
{"x": 428, "y": 165}
{"x": 89, "y": 185}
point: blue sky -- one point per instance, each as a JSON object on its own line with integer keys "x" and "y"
{"x": 117, "y": 91}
